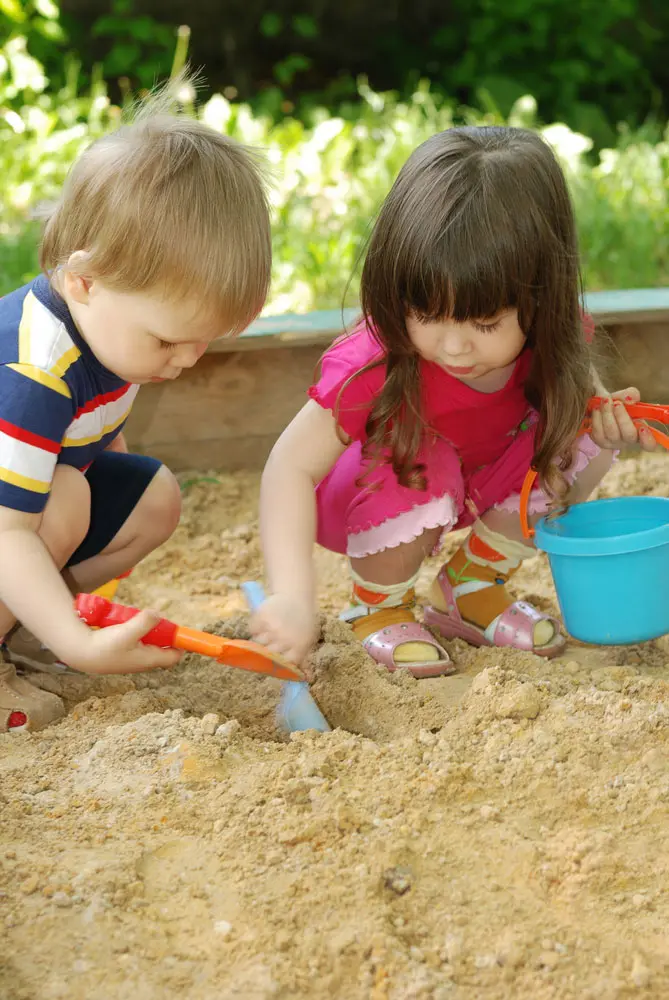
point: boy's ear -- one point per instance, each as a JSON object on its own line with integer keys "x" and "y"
{"x": 77, "y": 285}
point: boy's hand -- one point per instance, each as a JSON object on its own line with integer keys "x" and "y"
{"x": 117, "y": 649}
{"x": 286, "y": 626}
{"x": 613, "y": 428}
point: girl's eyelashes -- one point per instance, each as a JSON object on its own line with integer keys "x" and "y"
{"x": 166, "y": 345}
{"x": 487, "y": 327}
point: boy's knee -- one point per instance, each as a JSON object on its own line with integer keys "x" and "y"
{"x": 161, "y": 505}
{"x": 66, "y": 517}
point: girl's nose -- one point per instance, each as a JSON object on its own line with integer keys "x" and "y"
{"x": 455, "y": 342}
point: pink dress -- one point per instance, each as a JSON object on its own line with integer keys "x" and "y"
{"x": 476, "y": 453}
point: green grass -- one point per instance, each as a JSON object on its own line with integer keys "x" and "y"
{"x": 331, "y": 177}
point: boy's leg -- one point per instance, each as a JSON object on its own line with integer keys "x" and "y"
{"x": 134, "y": 506}
{"x": 63, "y": 527}
{"x": 150, "y": 523}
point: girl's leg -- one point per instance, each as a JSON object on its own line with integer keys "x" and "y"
{"x": 387, "y": 530}
{"x": 475, "y": 579}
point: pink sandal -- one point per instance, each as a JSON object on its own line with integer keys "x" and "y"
{"x": 514, "y": 628}
{"x": 382, "y": 643}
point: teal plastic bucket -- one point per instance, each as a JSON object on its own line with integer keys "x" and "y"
{"x": 610, "y": 564}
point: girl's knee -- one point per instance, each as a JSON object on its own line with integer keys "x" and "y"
{"x": 160, "y": 506}
{"x": 66, "y": 517}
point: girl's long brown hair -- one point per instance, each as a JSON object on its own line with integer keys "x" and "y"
{"x": 479, "y": 220}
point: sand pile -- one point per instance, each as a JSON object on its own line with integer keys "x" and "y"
{"x": 502, "y": 833}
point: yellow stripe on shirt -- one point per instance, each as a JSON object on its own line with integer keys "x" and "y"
{"x": 45, "y": 378}
{"x": 25, "y": 482}
{"x": 65, "y": 361}
{"x": 78, "y": 442}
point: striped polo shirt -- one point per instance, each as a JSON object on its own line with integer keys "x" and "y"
{"x": 57, "y": 402}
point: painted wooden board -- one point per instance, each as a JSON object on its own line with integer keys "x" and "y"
{"x": 227, "y": 412}
{"x": 636, "y": 305}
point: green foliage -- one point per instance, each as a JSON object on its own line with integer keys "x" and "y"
{"x": 574, "y": 56}
{"x": 588, "y": 63}
{"x": 139, "y": 46}
{"x": 331, "y": 176}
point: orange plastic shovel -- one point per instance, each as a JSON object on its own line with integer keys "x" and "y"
{"x": 98, "y": 612}
{"x": 637, "y": 411}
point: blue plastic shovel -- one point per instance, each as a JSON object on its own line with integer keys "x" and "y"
{"x": 297, "y": 710}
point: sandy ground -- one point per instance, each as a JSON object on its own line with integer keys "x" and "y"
{"x": 503, "y": 833}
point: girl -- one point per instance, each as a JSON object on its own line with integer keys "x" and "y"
{"x": 469, "y": 366}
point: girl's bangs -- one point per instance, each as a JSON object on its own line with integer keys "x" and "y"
{"x": 468, "y": 271}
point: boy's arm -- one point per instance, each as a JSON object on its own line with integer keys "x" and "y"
{"x": 303, "y": 455}
{"x": 33, "y": 590}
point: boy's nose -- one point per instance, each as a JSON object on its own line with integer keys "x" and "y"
{"x": 190, "y": 355}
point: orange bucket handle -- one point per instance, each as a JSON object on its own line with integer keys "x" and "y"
{"x": 638, "y": 412}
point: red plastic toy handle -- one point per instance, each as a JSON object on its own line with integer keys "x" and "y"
{"x": 100, "y": 613}
{"x": 638, "y": 411}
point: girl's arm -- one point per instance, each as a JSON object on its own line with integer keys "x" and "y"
{"x": 303, "y": 455}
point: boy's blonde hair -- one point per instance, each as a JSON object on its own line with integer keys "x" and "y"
{"x": 165, "y": 202}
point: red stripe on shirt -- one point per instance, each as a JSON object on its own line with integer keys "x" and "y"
{"x": 97, "y": 401}
{"x": 28, "y": 437}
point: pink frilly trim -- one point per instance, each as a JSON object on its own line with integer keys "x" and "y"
{"x": 539, "y": 502}
{"x": 440, "y": 512}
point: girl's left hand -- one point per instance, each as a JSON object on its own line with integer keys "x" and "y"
{"x": 613, "y": 428}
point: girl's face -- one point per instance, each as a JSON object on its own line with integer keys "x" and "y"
{"x": 470, "y": 350}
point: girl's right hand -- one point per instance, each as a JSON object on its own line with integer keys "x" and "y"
{"x": 286, "y": 625}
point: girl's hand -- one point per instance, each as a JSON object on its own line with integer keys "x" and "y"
{"x": 613, "y": 428}
{"x": 286, "y": 625}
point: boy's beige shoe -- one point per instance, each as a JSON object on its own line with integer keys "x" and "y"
{"x": 26, "y": 652}
{"x": 24, "y": 706}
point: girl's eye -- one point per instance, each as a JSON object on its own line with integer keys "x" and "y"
{"x": 487, "y": 327}
{"x": 166, "y": 345}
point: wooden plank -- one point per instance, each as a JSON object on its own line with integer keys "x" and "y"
{"x": 632, "y": 305}
{"x": 641, "y": 358}
{"x": 319, "y": 328}
{"x": 226, "y": 412}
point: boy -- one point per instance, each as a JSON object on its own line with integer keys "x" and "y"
{"x": 159, "y": 244}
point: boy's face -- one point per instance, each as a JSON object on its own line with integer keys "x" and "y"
{"x": 139, "y": 336}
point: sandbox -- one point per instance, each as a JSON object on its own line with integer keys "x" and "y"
{"x": 502, "y": 833}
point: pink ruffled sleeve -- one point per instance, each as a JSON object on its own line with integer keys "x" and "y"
{"x": 350, "y": 401}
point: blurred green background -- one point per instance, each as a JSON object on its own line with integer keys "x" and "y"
{"x": 339, "y": 95}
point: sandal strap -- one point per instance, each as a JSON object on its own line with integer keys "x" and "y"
{"x": 374, "y": 622}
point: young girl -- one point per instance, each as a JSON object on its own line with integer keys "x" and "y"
{"x": 470, "y": 365}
